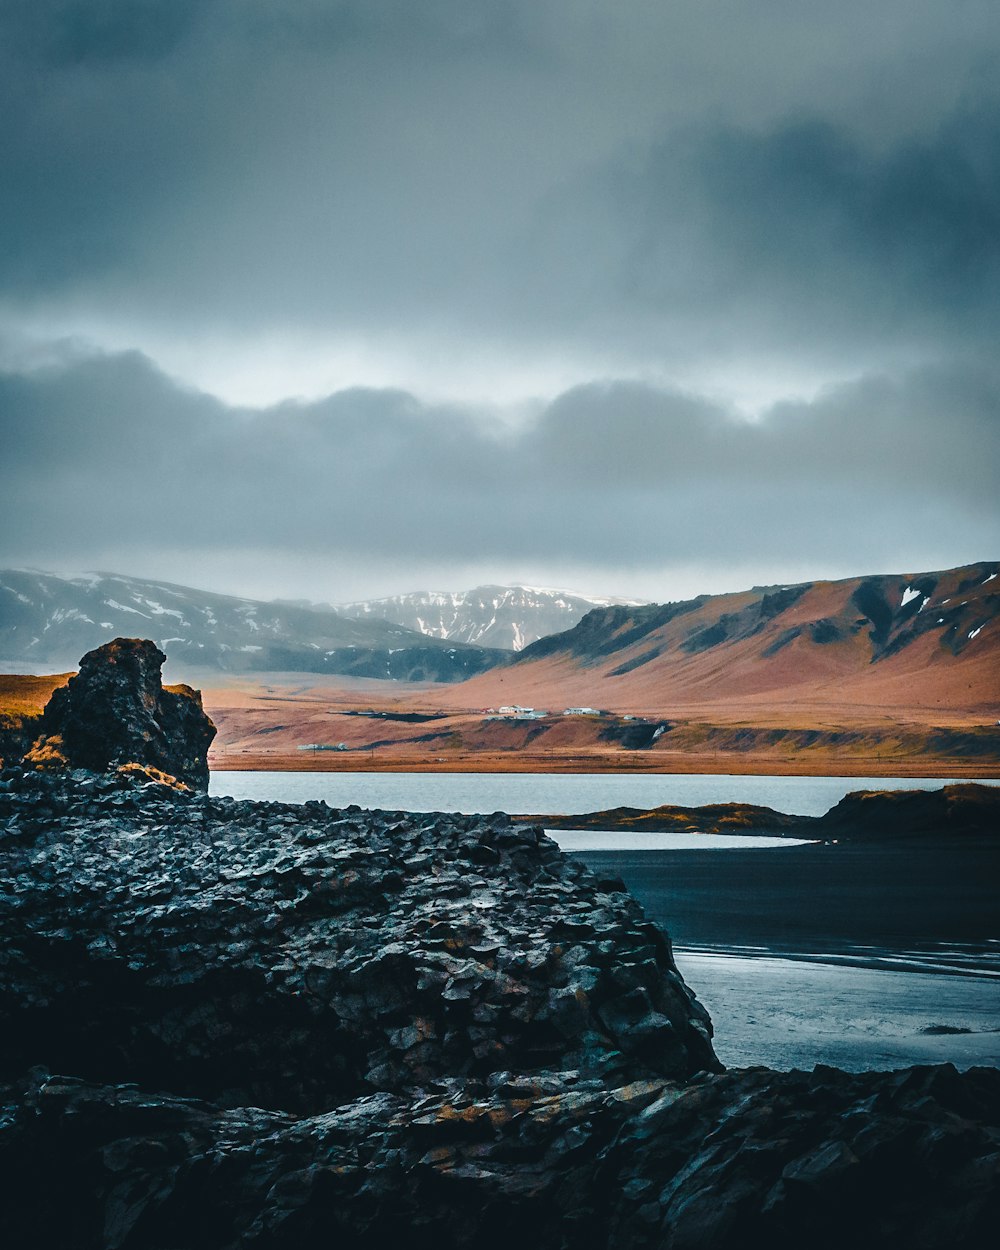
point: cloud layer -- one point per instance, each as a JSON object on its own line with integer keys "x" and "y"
{"x": 673, "y": 180}
{"x": 110, "y": 458}
{"x": 637, "y": 222}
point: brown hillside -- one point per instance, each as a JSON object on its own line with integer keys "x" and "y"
{"x": 896, "y": 675}
{"x": 922, "y": 644}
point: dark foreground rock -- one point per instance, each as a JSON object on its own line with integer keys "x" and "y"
{"x": 293, "y": 957}
{"x": 726, "y": 1162}
{"x": 228, "y": 1024}
{"x": 116, "y": 711}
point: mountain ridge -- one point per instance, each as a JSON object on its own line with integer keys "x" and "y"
{"x": 51, "y": 621}
{"x": 510, "y": 617}
{"x": 821, "y": 640}
{"x": 928, "y": 638}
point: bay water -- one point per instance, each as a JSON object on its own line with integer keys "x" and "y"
{"x": 568, "y": 793}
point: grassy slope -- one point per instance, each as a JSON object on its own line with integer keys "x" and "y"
{"x": 27, "y": 696}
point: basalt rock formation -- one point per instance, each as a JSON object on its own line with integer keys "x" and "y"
{"x": 231, "y": 1025}
{"x": 116, "y": 711}
{"x": 294, "y": 957}
{"x": 747, "y": 1160}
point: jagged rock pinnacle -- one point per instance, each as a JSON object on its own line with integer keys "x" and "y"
{"x": 116, "y": 711}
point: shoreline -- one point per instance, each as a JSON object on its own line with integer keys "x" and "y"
{"x": 827, "y": 765}
{"x": 849, "y": 1015}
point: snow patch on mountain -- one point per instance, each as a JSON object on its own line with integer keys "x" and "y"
{"x": 510, "y": 617}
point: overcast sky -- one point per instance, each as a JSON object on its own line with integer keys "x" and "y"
{"x": 333, "y": 299}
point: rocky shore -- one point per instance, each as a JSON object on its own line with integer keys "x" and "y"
{"x": 296, "y": 956}
{"x": 228, "y": 1025}
{"x": 233, "y": 1024}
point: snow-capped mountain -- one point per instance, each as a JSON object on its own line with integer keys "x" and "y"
{"x": 511, "y": 617}
{"x": 48, "y": 622}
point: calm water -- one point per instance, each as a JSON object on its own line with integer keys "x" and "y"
{"x": 860, "y": 957}
{"x": 569, "y": 793}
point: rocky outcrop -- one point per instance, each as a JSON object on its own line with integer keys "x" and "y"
{"x": 294, "y": 957}
{"x": 117, "y": 711}
{"x": 953, "y": 811}
{"x": 746, "y": 1159}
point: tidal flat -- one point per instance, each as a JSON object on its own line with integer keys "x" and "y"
{"x": 858, "y": 956}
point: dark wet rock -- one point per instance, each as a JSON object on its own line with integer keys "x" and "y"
{"x": 746, "y": 1159}
{"x": 293, "y": 957}
{"x": 17, "y": 734}
{"x": 116, "y": 711}
{"x": 227, "y": 1025}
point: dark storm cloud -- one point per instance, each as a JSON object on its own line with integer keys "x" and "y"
{"x": 110, "y": 455}
{"x": 649, "y": 190}
{"x": 77, "y": 32}
{"x": 210, "y": 151}
{"x": 803, "y": 231}
{"x": 664, "y": 182}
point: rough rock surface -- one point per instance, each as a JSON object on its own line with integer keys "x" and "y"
{"x": 116, "y": 711}
{"x": 748, "y": 1159}
{"x": 293, "y": 956}
{"x": 228, "y": 1024}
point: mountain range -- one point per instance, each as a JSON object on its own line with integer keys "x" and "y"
{"x": 48, "y": 622}
{"x": 928, "y": 640}
{"x": 509, "y": 617}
